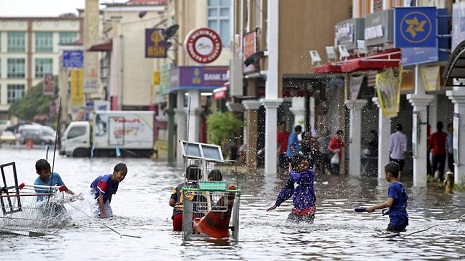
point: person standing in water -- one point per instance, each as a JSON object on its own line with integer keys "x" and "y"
{"x": 103, "y": 188}
{"x": 300, "y": 186}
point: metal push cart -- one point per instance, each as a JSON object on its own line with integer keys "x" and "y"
{"x": 29, "y": 210}
{"x": 211, "y": 208}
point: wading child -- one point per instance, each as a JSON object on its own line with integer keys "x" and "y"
{"x": 215, "y": 175}
{"x": 300, "y": 186}
{"x": 46, "y": 178}
{"x": 397, "y": 200}
{"x": 193, "y": 175}
{"x": 103, "y": 188}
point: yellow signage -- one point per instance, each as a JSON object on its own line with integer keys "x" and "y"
{"x": 430, "y": 76}
{"x": 388, "y": 90}
{"x": 77, "y": 88}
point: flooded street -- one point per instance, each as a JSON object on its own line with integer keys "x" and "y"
{"x": 142, "y": 210}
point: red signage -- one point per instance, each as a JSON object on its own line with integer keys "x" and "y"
{"x": 203, "y": 45}
{"x": 250, "y": 47}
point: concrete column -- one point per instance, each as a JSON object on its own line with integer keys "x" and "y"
{"x": 251, "y": 134}
{"x": 419, "y": 102}
{"x": 433, "y": 114}
{"x": 273, "y": 78}
{"x": 384, "y": 133}
{"x": 312, "y": 114}
{"x": 355, "y": 137}
{"x": 271, "y": 128}
{"x": 457, "y": 95}
{"x": 193, "y": 114}
{"x": 181, "y": 124}
{"x": 298, "y": 109}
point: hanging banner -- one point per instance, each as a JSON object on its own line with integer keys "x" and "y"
{"x": 388, "y": 91}
{"x": 355, "y": 84}
{"x": 77, "y": 88}
{"x": 49, "y": 84}
{"x": 430, "y": 76}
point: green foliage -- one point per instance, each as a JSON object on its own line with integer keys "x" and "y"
{"x": 32, "y": 104}
{"x": 222, "y": 126}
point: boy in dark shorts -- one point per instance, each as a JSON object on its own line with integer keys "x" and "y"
{"x": 397, "y": 200}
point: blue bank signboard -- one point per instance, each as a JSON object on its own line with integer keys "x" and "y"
{"x": 415, "y": 27}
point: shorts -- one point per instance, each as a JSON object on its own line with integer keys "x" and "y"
{"x": 96, "y": 209}
{"x": 398, "y": 228}
{"x": 177, "y": 222}
{"x": 294, "y": 218}
{"x": 401, "y": 163}
{"x": 302, "y": 216}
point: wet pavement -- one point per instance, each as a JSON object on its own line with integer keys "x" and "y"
{"x": 142, "y": 210}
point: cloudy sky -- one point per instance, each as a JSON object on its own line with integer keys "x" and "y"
{"x": 13, "y": 8}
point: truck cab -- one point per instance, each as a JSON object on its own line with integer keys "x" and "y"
{"x": 76, "y": 140}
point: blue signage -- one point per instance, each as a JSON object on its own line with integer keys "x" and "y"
{"x": 415, "y": 27}
{"x": 413, "y": 56}
{"x": 73, "y": 59}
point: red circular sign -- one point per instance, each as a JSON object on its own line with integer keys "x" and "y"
{"x": 203, "y": 45}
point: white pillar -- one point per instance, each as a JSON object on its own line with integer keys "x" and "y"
{"x": 384, "y": 133}
{"x": 312, "y": 114}
{"x": 433, "y": 113}
{"x": 181, "y": 124}
{"x": 193, "y": 114}
{"x": 298, "y": 109}
{"x": 419, "y": 102}
{"x": 355, "y": 137}
{"x": 273, "y": 78}
{"x": 457, "y": 95}
{"x": 271, "y": 128}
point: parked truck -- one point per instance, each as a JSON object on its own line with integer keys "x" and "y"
{"x": 109, "y": 134}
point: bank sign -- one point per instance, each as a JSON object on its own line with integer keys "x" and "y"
{"x": 415, "y": 27}
{"x": 205, "y": 78}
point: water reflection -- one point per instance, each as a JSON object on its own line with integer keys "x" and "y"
{"x": 141, "y": 207}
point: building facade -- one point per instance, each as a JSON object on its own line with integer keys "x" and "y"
{"x": 29, "y": 51}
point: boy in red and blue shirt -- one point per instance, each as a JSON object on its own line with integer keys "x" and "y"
{"x": 103, "y": 188}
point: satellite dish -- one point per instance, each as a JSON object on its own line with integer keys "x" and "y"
{"x": 170, "y": 31}
{"x": 253, "y": 58}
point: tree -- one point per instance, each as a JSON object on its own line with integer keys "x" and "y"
{"x": 222, "y": 126}
{"x": 32, "y": 104}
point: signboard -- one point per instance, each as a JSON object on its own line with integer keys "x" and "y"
{"x": 419, "y": 55}
{"x": 198, "y": 77}
{"x": 458, "y": 24}
{"x": 250, "y": 47}
{"x": 155, "y": 44}
{"x": 77, "y": 92}
{"x": 378, "y": 28}
{"x": 349, "y": 31}
{"x": 203, "y": 45}
{"x": 49, "y": 84}
{"x": 73, "y": 59}
{"x": 415, "y": 27}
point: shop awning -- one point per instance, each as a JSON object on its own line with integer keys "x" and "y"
{"x": 328, "y": 68}
{"x": 102, "y": 47}
{"x": 377, "y": 61}
{"x": 220, "y": 93}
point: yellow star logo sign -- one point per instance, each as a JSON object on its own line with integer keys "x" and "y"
{"x": 415, "y": 26}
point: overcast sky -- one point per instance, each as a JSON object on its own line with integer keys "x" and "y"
{"x": 14, "y": 8}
